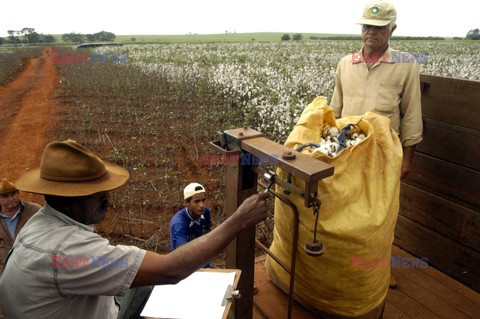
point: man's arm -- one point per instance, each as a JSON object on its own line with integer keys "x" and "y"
{"x": 337, "y": 99}
{"x": 178, "y": 234}
{"x": 411, "y": 126}
{"x": 408, "y": 152}
{"x": 159, "y": 269}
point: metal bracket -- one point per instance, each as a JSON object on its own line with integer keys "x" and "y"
{"x": 229, "y": 294}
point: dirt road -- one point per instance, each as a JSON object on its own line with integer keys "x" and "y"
{"x": 27, "y": 115}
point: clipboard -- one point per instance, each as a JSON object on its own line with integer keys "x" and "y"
{"x": 230, "y": 292}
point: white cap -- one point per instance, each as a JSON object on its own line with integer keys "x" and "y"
{"x": 192, "y": 189}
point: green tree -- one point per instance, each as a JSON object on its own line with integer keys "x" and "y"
{"x": 48, "y": 38}
{"x": 33, "y": 37}
{"x": 12, "y": 36}
{"x": 286, "y": 37}
{"x": 90, "y": 37}
{"x": 133, "y": 39}
{"x": 105, "y": 36}
{"x": 297, "y": 36}
{"x": 473, "y": 34}
{"x": 73, "y": 37}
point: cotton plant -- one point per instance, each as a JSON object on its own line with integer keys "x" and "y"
{"x": 273, "y": 82}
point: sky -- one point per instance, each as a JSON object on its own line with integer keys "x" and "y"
{"x": 414, "y": 17}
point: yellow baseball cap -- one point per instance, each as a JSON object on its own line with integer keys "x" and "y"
{"x": 378, "y": 13}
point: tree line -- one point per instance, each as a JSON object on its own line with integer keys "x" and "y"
{"x": 102, "y": 36}
{"x": 296, "y": 37}
{"x": 26, "y": 36}
{"x": 30, "y": 36}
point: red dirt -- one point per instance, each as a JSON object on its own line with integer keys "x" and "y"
{"x": 27, "y": 105}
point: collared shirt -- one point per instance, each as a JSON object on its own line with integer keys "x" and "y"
{"x": 12, "y": 222}
{"x": 60, "y": 268}
{"x": 390, "y": 88}
{"x": 183, "y": 228}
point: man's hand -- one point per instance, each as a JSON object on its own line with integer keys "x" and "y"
{"x": 407, "y": 160}
{"x": 253, "y": 210}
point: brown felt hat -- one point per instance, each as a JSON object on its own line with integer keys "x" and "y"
{"x": 6, "y": 186}
{"x": 70, "y": 169}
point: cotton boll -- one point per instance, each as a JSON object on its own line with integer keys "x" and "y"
{"x": 323, "y": 149}
{"x": 334, "y": 147}
{"x": 333, "y": 131}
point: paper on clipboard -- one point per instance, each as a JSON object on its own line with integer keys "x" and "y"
{"x": 198, "y": 296}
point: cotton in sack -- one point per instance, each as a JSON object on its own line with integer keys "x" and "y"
{"x": 359, "y": 210}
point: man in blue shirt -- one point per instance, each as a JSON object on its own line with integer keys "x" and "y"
{"x": 194, "y": 220}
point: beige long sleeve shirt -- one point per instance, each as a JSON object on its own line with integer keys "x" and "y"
{"x": 390, "y": 88}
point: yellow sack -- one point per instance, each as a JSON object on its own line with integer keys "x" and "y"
{"x": 357, "y": 218}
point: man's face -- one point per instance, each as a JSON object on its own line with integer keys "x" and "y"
{"x": 93, "y": 207}
{"x": 9, "y": 201}
{"x": 376, "y": 38}
{"x": 196, "y": 205}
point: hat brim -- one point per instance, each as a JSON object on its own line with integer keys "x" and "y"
{"x": 375, "y": 22}
{"x": 31, "y": 182}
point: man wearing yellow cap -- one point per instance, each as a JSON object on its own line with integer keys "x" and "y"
{"x": 14, "y": 214}
{"x": 381, "y": 80}
{"x": 60, "y": 268}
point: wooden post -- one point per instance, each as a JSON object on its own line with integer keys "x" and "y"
{"x": 241, "y": 182}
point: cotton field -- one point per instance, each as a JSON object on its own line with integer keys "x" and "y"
{"x": 273, "y": 82}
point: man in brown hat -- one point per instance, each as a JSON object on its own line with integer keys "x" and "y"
{"x": 14, "y": 213}
{"x": 59, "y": 267}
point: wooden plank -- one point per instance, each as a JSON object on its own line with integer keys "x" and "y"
{"x": 447, "y": 178}
{"x": 458, "y": 261}
{"x": 452, "y": 143}
{"x": 451, "y": 100}
{"x": 425, "y": 297}
{"x": 273, "y": 303}
{"x": 447, "y": 218}
{"x": 270, "y": 301}
{"x": 410, "y": 306}
{"x": 393, "y": 312}
{"x": 464, "y": 299}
